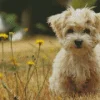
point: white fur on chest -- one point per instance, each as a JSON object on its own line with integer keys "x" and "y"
{"x": 79, "y": 68}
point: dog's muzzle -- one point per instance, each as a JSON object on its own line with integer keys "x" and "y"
{"x": 78, "y": 43}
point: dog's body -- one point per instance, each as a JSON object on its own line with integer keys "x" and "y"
{"x": 76, "y": 68}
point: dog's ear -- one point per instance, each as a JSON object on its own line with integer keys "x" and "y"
{"x": 98, "y": 21}
{"x": 57, "y": 22}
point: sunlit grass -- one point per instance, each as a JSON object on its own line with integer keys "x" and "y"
{"x": 24, "y": 75}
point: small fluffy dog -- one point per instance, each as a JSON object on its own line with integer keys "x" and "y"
{"x": 76, "y": 68}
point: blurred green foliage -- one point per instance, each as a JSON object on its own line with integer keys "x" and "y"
{"x": 10, "y": 19}
{"x": 41, "y": 26}
{"x": 82, "y": 3}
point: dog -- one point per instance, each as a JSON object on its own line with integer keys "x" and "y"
{"x": 76, "y": 68}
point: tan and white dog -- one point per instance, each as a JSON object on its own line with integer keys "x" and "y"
{"x": 76, "y": 68}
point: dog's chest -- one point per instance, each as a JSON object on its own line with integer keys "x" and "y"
{"x": 77, "y": 68}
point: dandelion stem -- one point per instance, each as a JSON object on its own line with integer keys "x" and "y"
{"x": 12, "y": 48}
{"x": 43, "y": 69}
{"x": 33, "y": 71}
{"x": 29, "y": 79}
{"x": 28, "y": 72}
{"x": 36, "y": 67}
{"x": 6, "y": 88}
{"x": 2, "y": 50}
{"x": 15, "y": 75}
{"x": 7, "y": 82}
{"x": 42, "y": 85}
{"x": 20, "y": 79}
{"x": 25, "y": 89}
{"x": 32, "y": 74}
{"x": 3, "y": 54}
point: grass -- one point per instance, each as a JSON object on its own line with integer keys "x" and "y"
{"x": 21, "y": 81}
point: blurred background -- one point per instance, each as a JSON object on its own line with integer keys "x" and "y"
{"x": 32, "y": 14}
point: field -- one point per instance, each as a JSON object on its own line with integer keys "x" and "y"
{"x": 25, "y": 67}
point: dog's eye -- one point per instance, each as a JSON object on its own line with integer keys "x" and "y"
{"x": 70, "y": 31}
{"x": 87, "y": 31}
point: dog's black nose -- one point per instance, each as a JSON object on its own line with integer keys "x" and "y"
{"x": 78, "y": 43}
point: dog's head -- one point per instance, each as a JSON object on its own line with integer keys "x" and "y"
{"x": 77, "y": 30}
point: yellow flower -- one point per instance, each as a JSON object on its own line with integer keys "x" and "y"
{"x": 25, "y": 29}
{"x": 30, "y": 63}
{"x": 40, "y": 42}
{"x": 11, "y": 33}
{"x": 3, "y": 35}
{"x": 1, "y": 75}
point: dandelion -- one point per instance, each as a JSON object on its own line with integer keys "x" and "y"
{"x": 40, "y": 42}
{"x": 3, "y": 36}
{"x": 1, "y": 75}
{"x": 25, "y": 29}
{"x": 30, "y": 63}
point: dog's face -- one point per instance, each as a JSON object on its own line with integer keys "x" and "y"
{"x": 77, "y": 30}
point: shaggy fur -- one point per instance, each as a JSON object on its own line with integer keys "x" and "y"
{"x": 76, "y": 68}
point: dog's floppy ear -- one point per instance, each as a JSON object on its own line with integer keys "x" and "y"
{"x": 57, "y": 22}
